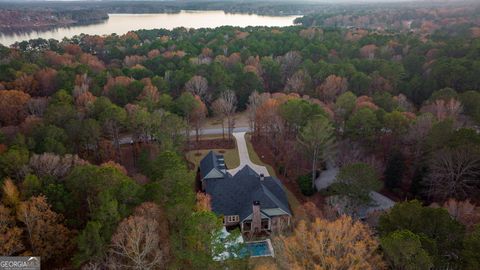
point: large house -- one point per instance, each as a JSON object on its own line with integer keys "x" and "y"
{"x": 256, "y": 203}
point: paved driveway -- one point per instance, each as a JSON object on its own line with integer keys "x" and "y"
{"x": 244, "y": 157}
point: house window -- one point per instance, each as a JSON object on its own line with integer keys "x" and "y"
{"x": 265, "y": 224}
{"x": 232, "y": 219}
{"x": 247, "y": 226}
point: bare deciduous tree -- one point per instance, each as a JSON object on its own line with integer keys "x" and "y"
{"x": 443, "y": 109}
{"x": 137, "y": 243}
{"x": 228, "y": 106}
{"x": 464, "y": 212}
{"x": 454, "y": 173}
{"x": 48, "y": 164}
{"x": 289, "y": 63}
{"x": 217, "y": 107}
{"x": 255, "y": 100}
{"x": 198, "y": 116}
{"x": 332, "y": 87}
{"x": 298, "y": 82}
{"x": 82, "y": 85}
{"x": 198, "y": 86}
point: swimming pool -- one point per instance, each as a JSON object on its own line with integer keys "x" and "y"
{"x": 260, "y": 248}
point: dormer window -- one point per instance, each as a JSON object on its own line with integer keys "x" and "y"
{"x": 232, "y": 219}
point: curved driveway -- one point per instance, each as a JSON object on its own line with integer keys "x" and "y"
{"x": 244, "y": 157}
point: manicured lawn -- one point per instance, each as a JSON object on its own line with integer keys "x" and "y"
{"x": 231, "y": 156}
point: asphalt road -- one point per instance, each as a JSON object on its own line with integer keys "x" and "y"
{"x": 127, "y": 139}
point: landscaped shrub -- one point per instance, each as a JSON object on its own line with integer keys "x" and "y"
{"x": 305, "y": 184}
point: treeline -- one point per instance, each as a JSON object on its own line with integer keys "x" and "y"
{"x": 12, "y": 20}
{"x": 251, "y": 7}
{"x": 414, "y": 16}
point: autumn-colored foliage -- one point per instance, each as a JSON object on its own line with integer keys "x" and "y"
{"x": 115, "y": 165}
{"x": 464, "y": 212}
{"x": 10, "y": 233}
{"x": 153, "y": 53}
{"x": 47, "y": 82}
{"x": 11, "y": 195}
{"x": 266, "y": 116}
{"x": 368, "y": 51}
{"x": 132, "y": 60}
{"x": 203, "y": 202}
{"x": 332, "y": 87}
{"x": 72, "y": 49}
{"x": 46, "y": 236}
{"x": 322, "y": 244}
{"x": 92, "y": 61}
{"x": 26, "y": 83}
{"x": 58, "y": 60}
{"x": 116, "y": 81}
{"x": 13, "y": 106}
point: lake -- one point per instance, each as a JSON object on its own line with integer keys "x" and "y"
{"x": 122, "y": 23}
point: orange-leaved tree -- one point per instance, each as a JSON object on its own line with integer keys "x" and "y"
{"x": 330, "y": 245}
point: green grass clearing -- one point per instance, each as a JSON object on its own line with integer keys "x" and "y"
{"x": 232, "y": 159}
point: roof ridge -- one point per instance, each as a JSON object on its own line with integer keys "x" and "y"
{"x": 273, "y": 197}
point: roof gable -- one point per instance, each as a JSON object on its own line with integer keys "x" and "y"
{"x": 212, "y": 166}
{"x": 214, "y": 173}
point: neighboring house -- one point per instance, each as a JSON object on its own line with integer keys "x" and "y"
{"x": 378, "y": 203}
{"x": 255, "y": 203}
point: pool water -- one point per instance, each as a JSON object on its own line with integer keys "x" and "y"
{"x": 259, "y": 249}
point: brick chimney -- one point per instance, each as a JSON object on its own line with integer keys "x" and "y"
{"x": 256, "y": 217}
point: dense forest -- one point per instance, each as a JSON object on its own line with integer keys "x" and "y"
{"x": 397, "y": 111}
{"x": 28, "y": 20}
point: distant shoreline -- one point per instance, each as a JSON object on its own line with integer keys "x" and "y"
{"x": 25, "y": 21}
{"x": 123, "y": 23}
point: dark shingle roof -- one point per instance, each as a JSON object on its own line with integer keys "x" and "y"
{"x": 211, "y": 162}
{"x": 234, "y": 195}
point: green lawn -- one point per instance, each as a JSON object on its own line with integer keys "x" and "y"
{"x": 231, "y": 156}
